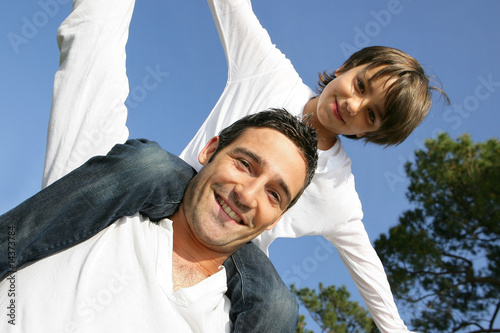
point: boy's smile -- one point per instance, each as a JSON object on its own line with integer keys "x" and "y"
{"x": 336, "y": 111}
{"x": 350, "y": 104}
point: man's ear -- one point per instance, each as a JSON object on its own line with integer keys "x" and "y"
{"x": 208, "y": 151}
{"x": 276, "y": 221}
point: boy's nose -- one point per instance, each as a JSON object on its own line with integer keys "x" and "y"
{"x": 353, "y": 105}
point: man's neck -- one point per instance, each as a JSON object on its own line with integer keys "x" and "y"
{"x": 191, "y": 262}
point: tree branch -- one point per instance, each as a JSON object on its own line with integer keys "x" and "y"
{"x": 470, "y": 264}
{"x": 485, "y": 279}
{"x": 494, "y": 315}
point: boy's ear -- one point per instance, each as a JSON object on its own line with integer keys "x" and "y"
{"x": 207, "y": 152}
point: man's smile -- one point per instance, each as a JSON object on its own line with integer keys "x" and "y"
{"x": 228, "y": 210}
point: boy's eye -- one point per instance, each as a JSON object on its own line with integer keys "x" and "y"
{"x": 361, "y": 86}
{"x": 371, "y": 114}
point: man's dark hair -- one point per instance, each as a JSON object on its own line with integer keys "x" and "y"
{"x": 300, "y": 133}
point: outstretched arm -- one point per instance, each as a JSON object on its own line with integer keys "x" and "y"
{"x": 259, "y": 74}
{"x": 88, "y": 112}
{"x": 368, "y": 273}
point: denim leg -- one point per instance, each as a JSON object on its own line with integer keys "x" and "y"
{"x": 260, "y": 301}
{"x": 138, "y": 176}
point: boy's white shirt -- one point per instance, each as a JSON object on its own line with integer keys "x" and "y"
{"x": 120, "y": 280}
{"x": 260, "y": 77}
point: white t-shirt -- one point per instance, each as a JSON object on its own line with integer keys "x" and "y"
{"x": 120, "y": 280}
{"x": 260, "y": 77}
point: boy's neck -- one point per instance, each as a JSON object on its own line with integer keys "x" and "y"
{"x": 326, "y": 139}
{"x": 191, "y": 261}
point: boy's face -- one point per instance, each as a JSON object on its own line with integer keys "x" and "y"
{"x": 350, "y": 105}
{"x": 244, "y": 189}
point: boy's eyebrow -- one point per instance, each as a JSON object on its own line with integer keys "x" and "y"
{"x": 262, "y": 164}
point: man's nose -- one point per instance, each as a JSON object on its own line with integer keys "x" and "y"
{"x": 248, "y": 192}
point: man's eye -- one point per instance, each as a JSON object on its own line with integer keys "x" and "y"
{"x": 276, "y": 197}
{"x": 244, "y": 164}
{"x": 361, "y": 86}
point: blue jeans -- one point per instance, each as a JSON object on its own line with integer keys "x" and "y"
{"x": 138, "y": 176}
{"x": 260, "y": 300}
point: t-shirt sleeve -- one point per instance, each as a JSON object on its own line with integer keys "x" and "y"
{"x": 247, "y": 45}
{"x": 259, "y": 74}
{"x": 366, "y": 270}
{"x": 88, "y": 112}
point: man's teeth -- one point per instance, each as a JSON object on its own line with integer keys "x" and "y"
{"x": 228, "y": 210}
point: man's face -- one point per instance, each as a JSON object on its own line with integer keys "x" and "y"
{"x": 244, "y": 189}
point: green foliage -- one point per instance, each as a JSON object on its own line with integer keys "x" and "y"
{"x": 332, "y": 310}
{"x": 301, "y": 328}
{"x": 443, "y": 258}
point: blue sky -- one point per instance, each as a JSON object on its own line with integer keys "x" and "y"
{"x": 457, "y": 41}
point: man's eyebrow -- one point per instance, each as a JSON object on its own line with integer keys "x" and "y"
{"x": 262, "y": 163}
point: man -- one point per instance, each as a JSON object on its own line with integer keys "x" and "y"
{"x": 141, "y": 276}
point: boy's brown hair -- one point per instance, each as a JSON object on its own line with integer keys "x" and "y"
{"x": 408, "y": 99}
